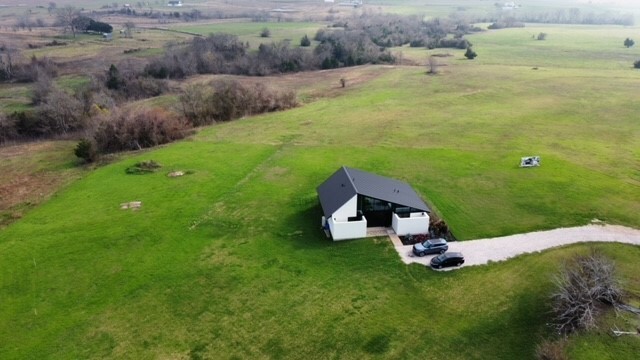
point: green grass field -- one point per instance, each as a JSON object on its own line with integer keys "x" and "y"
{"x": 229, "y": 261}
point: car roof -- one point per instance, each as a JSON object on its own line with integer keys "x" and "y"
{"x": 437, "y": 241}
{"x": 453, "y": 255}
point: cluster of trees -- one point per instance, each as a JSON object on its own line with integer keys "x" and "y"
{"x": 227, "y": 100}
{"x": 226, "y": 54}
{"x": 356, "y": 41}
{"x": 504, "y": 23}
{"x": 70, "y": 18}
{"x": 121, "y": 130}
{"x": 386, "y": 30}
{"x": 565, "y": 16}
{"x": 11, "y": 69}
{"x": 58, "y": 111}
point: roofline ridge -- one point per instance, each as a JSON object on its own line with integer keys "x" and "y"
{"x": 350, "y": 179}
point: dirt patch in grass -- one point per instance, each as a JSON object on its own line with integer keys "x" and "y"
{"x": 309, "y": 85}
{"x": 30, "y": 173}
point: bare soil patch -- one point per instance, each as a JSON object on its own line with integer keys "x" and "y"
{"x": 30, "y": 173}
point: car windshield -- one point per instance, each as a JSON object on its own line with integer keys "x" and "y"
{"x": 442, "y": 257}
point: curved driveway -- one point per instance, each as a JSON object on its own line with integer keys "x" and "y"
{"x": 480, "y": 252}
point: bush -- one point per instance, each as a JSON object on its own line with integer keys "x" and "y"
{"x": 585, "y": 283}
{"x": 143, "y": 167}
{"x": 123, "y": 130}
{"x": 470, "y": 54}
{"x": 7, "y": 129}
{"x": 636, "y": 64}
{"x": 228, "y": 100}
{"x": 542, "y": 36}
{"x": 86, "y": 149}
{"x": 305, "y": 41}
{"x": 29, "y": 124}
{"x": 265, "y": 33}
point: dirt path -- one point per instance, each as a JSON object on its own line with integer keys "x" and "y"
{"x": 481, "y": 251}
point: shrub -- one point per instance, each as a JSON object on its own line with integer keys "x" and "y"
{"x": 305, "y": 41}
{"x": 265, "y": 33}
{"x": 628, "y": 42}
{"x": 470, "y": 54}
{"x": 636, "y": 64}
{"x": 228, "y": 100}
{"x": 585, "y": 283}
{"x": 542, "y": 36}
{"x": 7, "y": 129}
{"x": 29, "y": 124}
{"x": 143, "y": 167}
{"x": 86, "y": 149}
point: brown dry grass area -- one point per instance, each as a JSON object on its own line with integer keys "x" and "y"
{"x": 310, "y": 85}
{"x": 30, "y": 173}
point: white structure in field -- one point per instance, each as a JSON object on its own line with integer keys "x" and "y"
{"x": 530, "y": 161}
{"x": 353, "y": 200}
{"x": 174, "y": 3}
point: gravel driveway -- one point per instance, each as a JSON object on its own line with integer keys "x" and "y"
{"x": 480, "y": 252}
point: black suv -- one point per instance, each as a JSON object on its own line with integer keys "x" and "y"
{"x": 447, "y": 259}
{"x": 433, "y": 246}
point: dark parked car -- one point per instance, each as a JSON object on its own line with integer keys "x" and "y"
{"x": 447, "y": 259}
{"x": 433, "y": 246}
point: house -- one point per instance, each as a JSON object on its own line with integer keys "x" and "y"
{"x": 353, "y": 200}
{"x": 174, "y": 3}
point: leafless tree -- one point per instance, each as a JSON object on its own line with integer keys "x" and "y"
{"x": 585, "y": 283}
{"x": 128, "y": 29}
{"x": 432, "y": 65}
{"x": 52, "y": 7}
{"x": 62, "y": 111}
{"x": 65, "y": 17}
{"x": 7, "y": 66}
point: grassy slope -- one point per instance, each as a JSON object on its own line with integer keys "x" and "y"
{"x": 229, "y": 262}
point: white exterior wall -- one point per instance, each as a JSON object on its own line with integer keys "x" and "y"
{"x": 343, "y": 230}
{"x": 349, "y": 209}
{"x": 416, "y": 223}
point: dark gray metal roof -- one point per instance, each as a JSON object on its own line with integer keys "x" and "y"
{"x": 347, "y": 182}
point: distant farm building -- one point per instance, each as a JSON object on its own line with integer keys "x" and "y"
{"x": 353, "y": 200}
{"x": 174, "y": 3}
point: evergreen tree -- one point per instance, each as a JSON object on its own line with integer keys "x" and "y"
{"x": 470, "y": 54}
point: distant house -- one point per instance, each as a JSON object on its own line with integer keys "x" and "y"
{"x": 509, "y": 5}
{"x": 353, "y": 200}
{"x": 174, "y": 3}
{"x": 107, "y": 36}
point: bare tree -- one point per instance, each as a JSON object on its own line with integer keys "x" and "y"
{"x": 432, "y": 65}
{"x": 52, "y": 7}
{"x": 584, "y": 284}
{"x": 65, "y": 17}
{"x": 128, "y": 29}
{"x": 7, "y": 67}
{"x": 62, "y": 111}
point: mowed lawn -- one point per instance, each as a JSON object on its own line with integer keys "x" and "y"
{"x": 229, "y": 261}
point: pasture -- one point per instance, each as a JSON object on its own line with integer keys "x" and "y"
{"x": 229, "y": 261}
